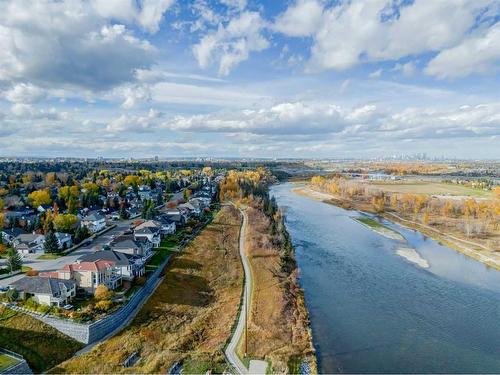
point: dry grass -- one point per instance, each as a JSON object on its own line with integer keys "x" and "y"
{"x": 41, "y": 345}
{"x": 278, "y": 322}
{"x": 190, "y": 315}
{"x": 431, "y": 188}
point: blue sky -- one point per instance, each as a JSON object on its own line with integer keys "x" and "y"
{"x": 298, "y": 78}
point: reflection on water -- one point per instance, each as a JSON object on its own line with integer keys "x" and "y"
{"x": 374, "y": 311}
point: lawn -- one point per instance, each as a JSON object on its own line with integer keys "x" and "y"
{"x": 431, "y": 188}
{"x": 6, "y": 361}
{"x": 41, "y": 345}
{"x": 189, "y": 316}
{"x": 49, "y": 256}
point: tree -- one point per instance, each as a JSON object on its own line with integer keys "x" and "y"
{"x": 103, "y": 293}
{"x": 159, "y": 199}
{"x": 187, "y": 193}
{"x": 148, "y": 209}
{"x": 2, "y": 220}
{"x": 124, "y": 215}
{"x": 81, "y": 233}
{"x": 48, "y": 224}
{"x": 39, "y": 198}
{"x": 65, "y": 222}
{"x": 14, "y": 260}
{"x": 51, "y": 244}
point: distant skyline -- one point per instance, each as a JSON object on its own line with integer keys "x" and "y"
{"x": 243, "y": 78}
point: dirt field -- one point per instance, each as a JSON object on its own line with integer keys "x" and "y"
{"x": 431, "y": 188}
{"x": 278, "y": 322}
{"x": 190, "y": 315}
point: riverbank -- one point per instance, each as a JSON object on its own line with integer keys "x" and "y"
{"x": 468, "y": 248}
{"x": 188, "y": 318}
{"x": 278, "y": 327}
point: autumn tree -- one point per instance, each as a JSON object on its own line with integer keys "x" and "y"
{"x": 103, "y": 293}
{"x": 39, "y": 197}
{"x": 65, "y": 222}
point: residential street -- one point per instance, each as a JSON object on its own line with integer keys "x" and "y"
{"x": 31, "y": 260}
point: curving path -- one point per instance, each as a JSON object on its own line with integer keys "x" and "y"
{"x": 256, "y": 367}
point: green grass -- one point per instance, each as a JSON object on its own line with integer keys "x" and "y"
{"x": 201, "y": 366}
{"x": 41, "y": 345}
{"x": 7, "y": 361}
{"x": 49, "y": 256}
{"x": 370, "y": 222}
{"x": 25, "y": 268}
{"x": 294, "y": 363}
{"x": 159, "y": 256}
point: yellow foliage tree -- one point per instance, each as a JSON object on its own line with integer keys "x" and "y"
{"x": 39, "y": 197}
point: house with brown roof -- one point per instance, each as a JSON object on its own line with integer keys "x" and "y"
{"x": 89, "y": 275}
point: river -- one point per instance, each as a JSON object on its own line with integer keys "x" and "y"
{"x": 374, "y": 311}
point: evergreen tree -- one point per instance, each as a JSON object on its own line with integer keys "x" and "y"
{"x": 81, "y": 234}
{"x": 14, "y": 260}
{"x": 51, "y": 244}
{"x": 124, "y": 215}
{"x": 159, "y": 199}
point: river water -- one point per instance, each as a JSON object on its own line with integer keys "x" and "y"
{"x": 374, "y": 311}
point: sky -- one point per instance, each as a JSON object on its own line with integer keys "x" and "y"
{"x": 248, "y": 78}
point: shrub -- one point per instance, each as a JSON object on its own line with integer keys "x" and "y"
{"x": 104, "y": 305}
{"x": 43, "y": 309}
{"x": 11, "y": 295}
{"x": 102, "y": 293}
{"x": 32, "y": 273}
{"x": 140, "y": 281}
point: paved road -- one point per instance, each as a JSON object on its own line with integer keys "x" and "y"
{"x": 256, "y": 367}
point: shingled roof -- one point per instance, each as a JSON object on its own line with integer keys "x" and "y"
{"x": 42, "y": 285}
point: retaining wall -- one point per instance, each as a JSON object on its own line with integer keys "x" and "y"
{"x": 89, "y": 333}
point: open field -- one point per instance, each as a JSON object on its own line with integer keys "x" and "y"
{"x": 190, "y": 315}
{"x": 41, "y": 345}
{"x": 430, "y": 188}
{"x": 278, "y": 321}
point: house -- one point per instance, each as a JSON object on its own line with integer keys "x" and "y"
{"x": 151, "y": 233}
{"x": 190, "y": 209}
{"x": 64, "y": 239}
{"x": 45, "y": 290}
{"x": 128, "y": 244}
{"x": 44, "y": 208}
{"x": 165, "y": 225}
{"x": 27, "y": 243}
{"x": 130, "y": 266}
{"x": 89, "y": 275}
{"x": 95, "y": 222}
{"x": 175, "y": 215}
{"x": 8, "y": 235}
{"x": 145, "y": 192}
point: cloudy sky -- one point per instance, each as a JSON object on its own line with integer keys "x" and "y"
{"x": 297, "y": 78}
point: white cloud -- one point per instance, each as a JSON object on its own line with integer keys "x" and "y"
{"x": 135, "y": 94}
{"x": 306, "y": 121}
{"x": 365, "y": 31}
{"x": 25, "y": 93}
{"x": 28, "y": 112}
{"x": 303, "y": 18}
{"x": 126, "y": 123}
{"x": 231, "y": 44}
{"x": 67, "y": 43}
{"x": 146, "y": 13}
{"x": 479, "y": 53}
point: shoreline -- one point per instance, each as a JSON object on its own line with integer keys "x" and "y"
{"x": 441, "y": 238}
